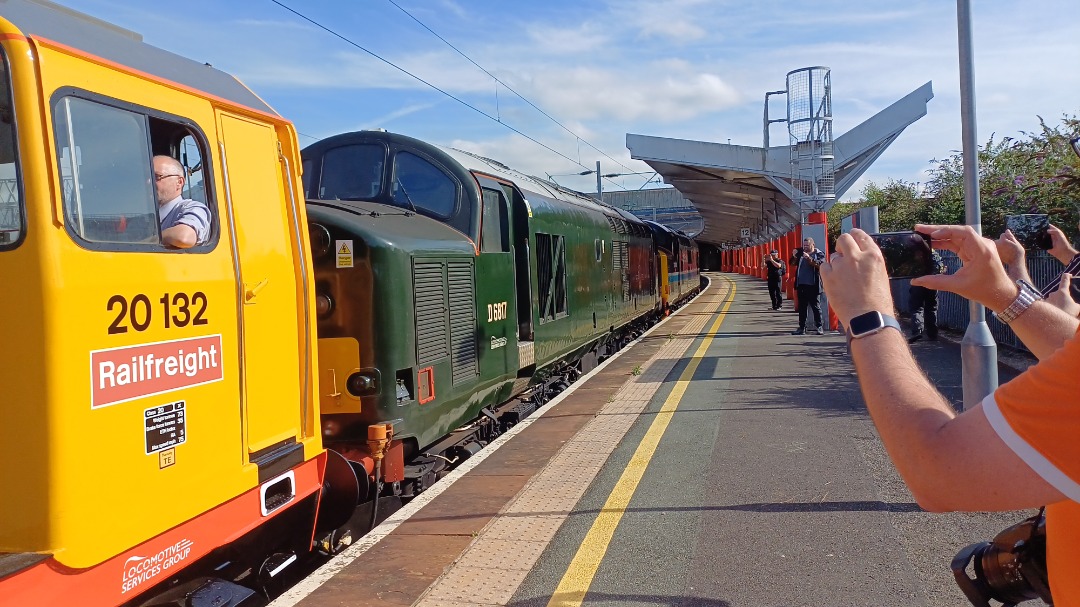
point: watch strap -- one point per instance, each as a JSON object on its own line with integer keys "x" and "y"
{"x": 1027, "y": 296}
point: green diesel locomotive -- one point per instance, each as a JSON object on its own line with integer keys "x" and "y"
{"x": 448, "y": 284}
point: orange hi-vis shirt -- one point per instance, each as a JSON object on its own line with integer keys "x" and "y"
{"x": 1037, "y": 415}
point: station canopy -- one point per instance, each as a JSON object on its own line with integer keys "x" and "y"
{"x": 737, "y": 187}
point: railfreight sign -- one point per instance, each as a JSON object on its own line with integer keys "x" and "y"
{"x": 122, "y": 374}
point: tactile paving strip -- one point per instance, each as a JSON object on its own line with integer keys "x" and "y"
{"x": 494, "y": 565}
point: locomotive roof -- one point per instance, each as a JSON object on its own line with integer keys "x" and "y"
{"x": 538, "y": 186}
{"x": 543, "y": 187}
{"x": 467, "y": 161}
{"x": 52, "y": 22}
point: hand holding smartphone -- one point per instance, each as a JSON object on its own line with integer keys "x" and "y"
{"x": 1031, "y": 230}
{"x": 907, "y": 254}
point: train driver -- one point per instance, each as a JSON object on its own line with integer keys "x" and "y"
{"x": 184, "y": 222}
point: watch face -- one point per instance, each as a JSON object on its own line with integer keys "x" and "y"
{"x": 864, "y": 323}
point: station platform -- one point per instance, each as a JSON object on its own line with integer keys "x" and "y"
{"x": 719, "y": 461}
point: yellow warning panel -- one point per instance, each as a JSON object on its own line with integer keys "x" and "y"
{"x": 344, "y": 249}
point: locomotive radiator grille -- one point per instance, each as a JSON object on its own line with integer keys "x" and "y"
{"x": 429, "y": 292}
{"x": 462, "y": 321}
{"x": 620, "y": 264}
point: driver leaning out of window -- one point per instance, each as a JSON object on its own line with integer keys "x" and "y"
{"x": 184, "y": 222}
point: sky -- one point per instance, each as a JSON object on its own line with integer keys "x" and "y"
{"x": 599, "y": 69}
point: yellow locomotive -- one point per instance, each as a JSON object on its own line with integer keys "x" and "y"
{"x": 160, "y": 410}
{"x": 161, "y": 436}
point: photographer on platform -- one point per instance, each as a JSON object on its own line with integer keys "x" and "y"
{"x": 807, "y": 275}
{"x": 1018, "y": 448}
{"x": 776, "y": 269}
{"x": 1059, "y": 291}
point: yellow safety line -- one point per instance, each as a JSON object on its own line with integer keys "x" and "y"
{"x": 579, "y": 575}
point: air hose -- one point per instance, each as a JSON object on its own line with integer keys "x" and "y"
{"x": 379, "y": 436}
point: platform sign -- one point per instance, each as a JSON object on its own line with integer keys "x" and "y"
{"x": 744, "y": 233}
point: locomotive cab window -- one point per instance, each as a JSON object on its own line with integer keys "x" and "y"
{"x": 421, "y": 186}
{"x": 11, "y": 208}
{"x": 131, "y": 181}
{"x": 349, "y": 172}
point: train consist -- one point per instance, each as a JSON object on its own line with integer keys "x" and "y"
{"x": 454, "y": 284}
{"x": 181, "y": 426}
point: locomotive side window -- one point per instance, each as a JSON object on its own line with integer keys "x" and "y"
{"x": 308, "y": 168}
{"x": 351, "y": 172}
{"x": 109, "y": 186}
{"x": 551, "y": 275}
{"x": 421, "y": 185}
{"x": 496, "y": 237}
{"x": 11, "y": 208}
{"x": 191, "y": 159}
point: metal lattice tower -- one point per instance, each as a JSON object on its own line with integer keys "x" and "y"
{"x": 809, "y": 118}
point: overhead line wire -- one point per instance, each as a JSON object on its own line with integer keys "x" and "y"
{"x": 508, "y": 87}
{"x": 419, "y": 79}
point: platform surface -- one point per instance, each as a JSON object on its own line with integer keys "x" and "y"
{"x": 718, "y": 462}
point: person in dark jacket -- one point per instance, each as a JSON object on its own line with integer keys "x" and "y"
{"x": 924, "y": 306}
{"x": 808, "y": 284}
{"x": 776, "y": 269}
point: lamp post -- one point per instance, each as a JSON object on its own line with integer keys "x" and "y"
{"x": 978, "y": 350}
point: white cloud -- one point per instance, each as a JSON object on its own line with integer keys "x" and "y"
{"x": 525, "y": 156}
{"x": 661, "y": 92}
{"x": 555, "y": 40}
{"x": 454, "y": 8}
{"x": 673, "y": 21}
{"x": 387, "y": 120}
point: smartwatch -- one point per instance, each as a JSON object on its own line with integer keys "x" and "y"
{"x": 870, "y": 323}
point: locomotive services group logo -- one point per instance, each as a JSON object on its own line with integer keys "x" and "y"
{"x": 139, "y": 570}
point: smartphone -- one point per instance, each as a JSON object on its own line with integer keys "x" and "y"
{"x": 1031, "y": 230}
{"x": 907, "y": 254}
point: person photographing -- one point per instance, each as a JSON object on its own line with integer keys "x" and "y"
{"x": 807, "y": 262}
{"x": 776, "y": 269}
{"x": 1017, "y": 449}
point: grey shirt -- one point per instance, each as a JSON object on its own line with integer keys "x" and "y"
{"x": 191, "y": 213}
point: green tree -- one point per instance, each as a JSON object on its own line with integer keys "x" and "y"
{"x": 900, "y": 206}
{"x": 1033, "y": 173}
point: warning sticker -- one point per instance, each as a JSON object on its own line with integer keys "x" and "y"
{"x": 344, "y": 250}
{"x": 166, "y": 426}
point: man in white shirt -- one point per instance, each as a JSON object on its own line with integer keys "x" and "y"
{"x": 184, "y": 223}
